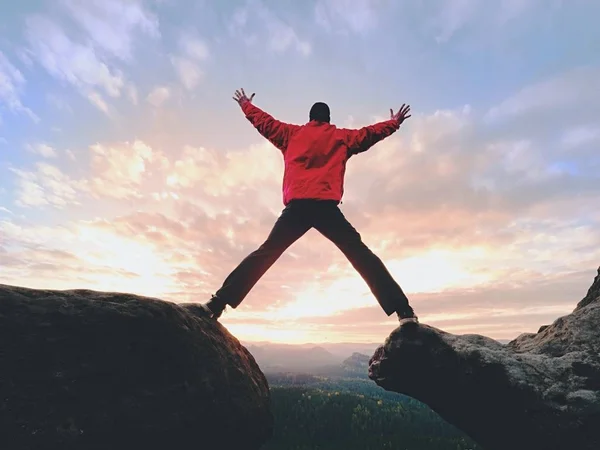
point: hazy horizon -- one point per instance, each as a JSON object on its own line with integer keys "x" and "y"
{"x": 125, "y": 165}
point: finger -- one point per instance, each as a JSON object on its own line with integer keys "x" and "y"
{"x": 243, "y": 93}
{"x": 252, "y": 96}
{"x": 391, "y": 112}
{"x": 407, "y": 117}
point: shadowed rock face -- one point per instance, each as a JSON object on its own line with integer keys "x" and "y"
{"x": 539, "y": 391}
{"x": 93, "y": 370}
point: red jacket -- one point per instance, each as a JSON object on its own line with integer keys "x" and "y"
{"x": 315, "y": 154}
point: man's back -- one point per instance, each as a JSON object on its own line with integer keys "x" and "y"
{"x": 315, "y": 162}
{"x": 315, "y": 153}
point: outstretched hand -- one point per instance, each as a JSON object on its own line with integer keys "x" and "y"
{"x": 241, "y": 97}
{"x": 401, "y": 115}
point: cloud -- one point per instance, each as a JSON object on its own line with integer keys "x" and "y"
{"x": 224, "y": 173}
{"x": 493, "y": 165}
{"x": 118, "y": 171}
{"x": 47, "y": 185}
{"x": 360, "y": 16}
{"x": 501, "y": 311}
{"x": 158, "y": 96}
{"x": 43, "y": 150}
{"x": 188, "y": 71}
{"x": 566, "y": 96}
{"x": 449, "y": 20}
{"x": 69, "y": 61}
{"x": 10, "y": 80}
{"x": 192, "y": 51}
{"x": 193, "y": 47}
{"x": 121, "y": 170}
{"x": 11, "y": 85}
{"x": 132, "y": 93}
{"x": 112, "y": 25}
{"x": 581, "y": 135}
{"x": 98, "y": 101}
{"x": 452, "y": 17}
{"x": 278, "y": 35}
{"x": 56, "y": 258}
{"x": 460, "y": 189}
{"x": 122, "y": 162}
{"x": 110, "y": 29}
{"x": 59, "y": 102}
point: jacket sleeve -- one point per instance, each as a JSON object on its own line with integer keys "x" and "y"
{"x": 363, "y": 139}
{"x": 278, "y": 133}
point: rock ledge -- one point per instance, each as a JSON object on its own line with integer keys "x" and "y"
{"x": 87, "y": 370}
{"x": 541, "y": 391}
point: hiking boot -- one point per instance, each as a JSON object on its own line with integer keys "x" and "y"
{"x": 214, "y": 307}
{"x": 407, "y": 316}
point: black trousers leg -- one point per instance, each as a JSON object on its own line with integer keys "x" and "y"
{"x": 332, "y": 224}
{"x": 292, "y": 224}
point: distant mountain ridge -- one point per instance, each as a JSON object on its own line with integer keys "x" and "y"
{"x": 307, "y": 356}
{"x": 321, "y": 358}
{"x": 292, "y": 358}
{"x": 358, "y": 362}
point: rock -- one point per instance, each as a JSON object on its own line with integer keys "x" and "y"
{"x": 87, "y": 370}
{"x": 540, "y": 391}
{"x": 592, "y": 294}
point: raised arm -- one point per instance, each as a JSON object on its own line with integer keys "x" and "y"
{"x": 277, "y": 132}
{"x": 363, "y": 139}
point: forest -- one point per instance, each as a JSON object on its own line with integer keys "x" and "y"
{"x": 320, "y": 413}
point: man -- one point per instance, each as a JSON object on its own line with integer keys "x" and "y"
{"x": 315, "y": 156}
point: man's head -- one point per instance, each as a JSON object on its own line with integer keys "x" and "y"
{"x": 319, "y": 112}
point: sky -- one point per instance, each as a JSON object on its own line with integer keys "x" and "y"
{"x": 125, "y": 164}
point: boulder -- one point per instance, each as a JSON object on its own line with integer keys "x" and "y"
{"x": 540, "y": 391}
{"x": 81, "y": 369}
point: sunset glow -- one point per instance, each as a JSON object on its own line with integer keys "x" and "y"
{"x": 125, "y": 165}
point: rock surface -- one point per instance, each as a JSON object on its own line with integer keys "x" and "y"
{"x": 89, "y": 370}
{"x": 540, "y": 391}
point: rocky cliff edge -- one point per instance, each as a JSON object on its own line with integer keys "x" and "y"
{"x": 86, "y": 370}
{"x": 540, "y": 391}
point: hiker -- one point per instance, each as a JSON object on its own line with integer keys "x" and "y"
{"x": 315, "y": 156}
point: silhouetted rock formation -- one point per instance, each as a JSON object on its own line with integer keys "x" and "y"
{"x": 540, "y": 391}
{"x": 89, "y": 370}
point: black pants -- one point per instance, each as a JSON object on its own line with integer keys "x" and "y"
{"x": 296, "y": 219}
